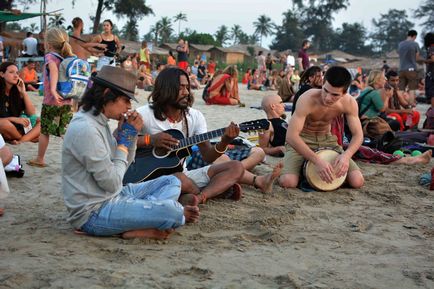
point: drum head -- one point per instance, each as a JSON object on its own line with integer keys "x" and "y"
{"x": 314, "y": 179}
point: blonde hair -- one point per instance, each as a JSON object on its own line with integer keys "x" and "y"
{"x": 373, "y": 76}
{"x": 59, "y": 41}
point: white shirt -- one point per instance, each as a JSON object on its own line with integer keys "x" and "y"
{"x": 290, "y": 60}
{"x": 2, "y": 142}
{"x": 195, "y": 119}
{"x": 31, "y": 45}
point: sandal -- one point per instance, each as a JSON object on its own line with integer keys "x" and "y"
{"x": 234, "y": 193}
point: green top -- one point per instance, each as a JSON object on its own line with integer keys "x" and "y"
{"x": 373, "y": 100}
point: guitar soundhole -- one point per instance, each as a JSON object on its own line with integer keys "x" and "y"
{"x": 160, "y": 152}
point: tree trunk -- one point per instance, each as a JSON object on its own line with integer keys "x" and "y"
{"x": 97, "y": 17}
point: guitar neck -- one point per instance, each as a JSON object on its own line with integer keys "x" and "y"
{"x": 187, "y": 142}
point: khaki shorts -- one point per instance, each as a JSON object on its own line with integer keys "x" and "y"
{"x": 293, "y": 161}
{"x": 408, "y": 78}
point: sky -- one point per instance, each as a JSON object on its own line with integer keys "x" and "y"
{"x": 207, "y": 16}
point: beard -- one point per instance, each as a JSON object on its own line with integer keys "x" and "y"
{"x": 180, "y": 103}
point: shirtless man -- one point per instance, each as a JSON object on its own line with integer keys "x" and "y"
{"x": 309, "y": 129}
{"x": 81, "y": 48}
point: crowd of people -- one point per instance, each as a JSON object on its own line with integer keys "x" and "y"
{"x": 95, "y": 160}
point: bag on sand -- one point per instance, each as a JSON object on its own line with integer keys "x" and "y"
{"x": 375, "y": 127}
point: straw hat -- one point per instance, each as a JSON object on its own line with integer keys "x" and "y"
{"x": 118, "y": 79}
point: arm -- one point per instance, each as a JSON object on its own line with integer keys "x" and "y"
{"x": 29, "y": 107}
{"x": 118, "y": 44}
{"x": 211, "y": 152}
{"x": 264, "y": 143}
{"x": 54, "y": 77}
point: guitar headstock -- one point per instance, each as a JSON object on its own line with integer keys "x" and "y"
{"x": 258, "y": 125}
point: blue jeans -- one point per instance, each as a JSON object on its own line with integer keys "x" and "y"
{"x": 152, "y": 204}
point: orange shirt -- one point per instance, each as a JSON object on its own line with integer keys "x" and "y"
{"x": 28, "y": 75}
{"x": 171, "y": 60}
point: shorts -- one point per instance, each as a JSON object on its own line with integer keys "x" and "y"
{"x": 55, "y": 119}
{"x": 407, "y": 78}
{"x": 237, "y": 154}
{"x": 199, "y": 176}
{"x": 293, "y": 161}
{"x": 183, "y": 65}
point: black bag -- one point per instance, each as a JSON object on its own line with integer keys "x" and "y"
{"x": 389, "y": 142}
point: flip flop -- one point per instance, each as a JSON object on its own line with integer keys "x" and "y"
{"x": 34, "y": 163}
{"x": 234, "y": 193}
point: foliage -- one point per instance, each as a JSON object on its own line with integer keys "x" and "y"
{"x": 390, "y": 29}
{"x": 166, "y": 30}
{"x": 130, "y": 30}
{"x": 56, "y": 21}
{"x": 426, "y": 12}
{"x": 289, "y": 35}
{"x": 236, "y": 33}
{"x": 179, "y": 18}
{"x": 13, "y": 26}
{"x": 222, "y": 35}
{"x": 198, "y": 38}
{"x": 351, "y": 39}
{"x": 263, "y": 26}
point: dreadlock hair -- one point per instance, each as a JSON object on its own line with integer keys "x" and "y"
{"x": 310, "y": 72}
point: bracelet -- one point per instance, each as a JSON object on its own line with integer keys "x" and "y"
{"x": 220, "y": 152}
{"x": 123, "y": 148}
{"x": 147, "y": 139}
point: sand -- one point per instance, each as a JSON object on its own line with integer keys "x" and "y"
{"x": 381, "y": 236}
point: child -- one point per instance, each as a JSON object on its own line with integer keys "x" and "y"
{"x": 56, "y": 112}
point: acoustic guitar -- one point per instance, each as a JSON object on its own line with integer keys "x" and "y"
{"x": 151, "y": 163}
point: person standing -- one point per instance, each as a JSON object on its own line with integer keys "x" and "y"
{"x": 81, "y": 48}
{"x": 183, "y": 51}
{"x": 111, "y": 41}
{"x": 56, "y": 111}
{"x": 144, "y": 56}
{"x": 30, "y": 46}
{"x": 409, "y": 54}
{"x": 303, "y": 57}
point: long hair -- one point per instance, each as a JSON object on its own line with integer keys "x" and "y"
{"x": 58, "y": 39}
{"x": 96, "y": 97}
{"x": 428, "y": 39}
{"x": 166, "y": 91}
{"x": 14, "y": 94}
{"x": 311, "y": 71}
{"x": 231, "y": 70}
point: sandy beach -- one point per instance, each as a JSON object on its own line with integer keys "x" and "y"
{"x": 381, "y": 236}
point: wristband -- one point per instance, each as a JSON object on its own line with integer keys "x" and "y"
{"x": 122, "y": 148}
{"x": 220, "y": 152}
{"x": 147, "y": 139}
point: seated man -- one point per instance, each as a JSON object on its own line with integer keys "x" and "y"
{"x": 272, "y": 141}
{"x": 170, "y": 108}
{"x": 94, "y": 163}
{"x": 310, "y": 126}
{"x": 29, "y": 76}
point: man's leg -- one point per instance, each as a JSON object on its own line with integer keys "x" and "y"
{"x": 221, "y": 177}
{"x": 355, "y": 179}
{"x": 255, "y": 157}
{"x": 264, "y": 182}
{"x": 293, "y": 162}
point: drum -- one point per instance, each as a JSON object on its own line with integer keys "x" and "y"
{"x": 314, "y": 179}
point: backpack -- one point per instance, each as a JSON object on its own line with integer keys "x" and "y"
{"x": 74, "y": 76}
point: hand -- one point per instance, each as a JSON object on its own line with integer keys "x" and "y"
{"x": 126, "y": 134}
{"x": 231, "y": 132}
{"x": 135, "y": 119}
{"x": 325, "y": 171}
{"x": 24, "y": 121}
{"x": 341, "y": 165}
{"x": 164, "y": 140}
{"x": 21, "y": 86}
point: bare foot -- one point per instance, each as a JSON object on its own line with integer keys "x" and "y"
{"x": 265, "y": 183}
{"x": 191, "y": 214}
{"x": 2, "y": 211}
{"x": 188, "y": 200}
{"x": 148, "y": 234}
{"x": 425, "y": 157}
{"x": 420, "y": 159}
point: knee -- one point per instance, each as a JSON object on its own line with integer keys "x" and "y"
{"x": 258, "y": 152}
{"x": 357, "y": 181}
{"x": 236, "y": 168}
{"x": 288, "y": 181}
{"x": 173, "y": 215}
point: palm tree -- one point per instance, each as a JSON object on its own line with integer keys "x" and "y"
{"x": 165, "y": 29}
{"x": 155, "y": 30}
{"x": 180, "y": 17}
{"x": 235, "y": 33}
{"x": 56, "y": 21}
{"x": 264, "y": 26}
{"x": 222, "y": 35}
